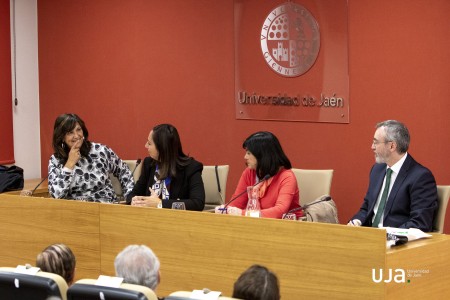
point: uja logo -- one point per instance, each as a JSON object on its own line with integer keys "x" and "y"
{"x": 290, "y": 40}
{"x": 399, "y": 276}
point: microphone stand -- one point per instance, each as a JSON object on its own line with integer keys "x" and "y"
{"x": 32, "y": 192}
{"x": 324, "y": 198}
{"x": 138, "y": 162}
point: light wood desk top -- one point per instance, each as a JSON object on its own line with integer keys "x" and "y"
{"x": 31, "y": 184}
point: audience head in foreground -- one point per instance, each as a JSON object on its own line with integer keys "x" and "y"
{"x": 402, "y": 193}
{"x": 257, "y": 283}
{"x": 79, "y": 169}
{"x": 268, "y": 164}
{"x": 137, "y": 264}
{"x": 58, "y": 259}
{"x": 168, "y": 175}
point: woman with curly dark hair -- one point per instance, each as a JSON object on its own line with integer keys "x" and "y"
{"x": 79, "y": 169}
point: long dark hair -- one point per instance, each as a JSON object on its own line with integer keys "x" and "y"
{"x": 267, "y": 150}
{"x": 64, "y": 124}
{"x": 168, "y": 143}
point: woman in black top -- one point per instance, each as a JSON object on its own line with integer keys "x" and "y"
{"x": 168, "y": 175}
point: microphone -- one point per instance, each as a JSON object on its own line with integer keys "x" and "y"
{"x": 138, "y": 162}
{"x": 32, "y": 192}
{"x": 245, "y": 191}
{"x": 324, "y": 198}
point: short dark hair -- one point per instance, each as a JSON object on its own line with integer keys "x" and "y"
{"x": 168, "y": 143}
{"x": 63, "y": 124}
{"x": 257, "y": 283}
{"x": 397, "y": 132}
{"x": 58, "y": 259}
{"x": 268, "y": 152}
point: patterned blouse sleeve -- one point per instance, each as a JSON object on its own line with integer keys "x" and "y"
{"x": 120, "y": 170}
{"x": 59, "y": 179}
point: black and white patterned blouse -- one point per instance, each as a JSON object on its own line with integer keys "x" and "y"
{"x": 89, "y": 180}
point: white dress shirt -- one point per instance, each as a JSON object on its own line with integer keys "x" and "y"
{"x": 395, "y": 170}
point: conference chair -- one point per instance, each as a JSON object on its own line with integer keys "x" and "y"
{"x": 215, "y": 182}
{"x": 137, "y": 172}
{"x": 313, "y": 184}
{"x": 443, "y": 196}
{"x": 87, "y": 289}
{"x": 185, "y": 295}
{"x": 15, "y": 285}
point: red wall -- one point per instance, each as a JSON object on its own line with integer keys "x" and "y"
{"x": 6, "y": 123}
{"x": 125, "y": 66}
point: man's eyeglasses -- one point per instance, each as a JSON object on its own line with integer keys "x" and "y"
{"x": 376, "y": 142}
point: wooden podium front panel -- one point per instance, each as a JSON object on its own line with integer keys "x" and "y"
{"x": 198, "y": 250}
{"x": 31, "y": 224}
{"x": 426, "y": 265}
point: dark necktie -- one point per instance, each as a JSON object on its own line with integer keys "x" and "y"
{"x": 383, "y": 199}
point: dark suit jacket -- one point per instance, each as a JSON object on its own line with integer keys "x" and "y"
{"x": 187, "y": 187}
{"x": 413, "y": 199}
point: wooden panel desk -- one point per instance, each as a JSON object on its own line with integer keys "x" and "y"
{"x": 427, "y": 266}
{"x": 197, "y": 250}
{"x": 29, "y": 224}
{"x": 200, "y": 250}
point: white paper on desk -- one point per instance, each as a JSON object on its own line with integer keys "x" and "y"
{"x": 201, "y": 295}
{"x": 411, "y": 233}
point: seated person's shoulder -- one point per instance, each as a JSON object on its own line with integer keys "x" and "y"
{"x": 149, "y": 161}
{"x": 287, "y": 174}
{"x": 421, "y": 173}
{"x": 423, "y": 169}
{"x": 194, "y": 165}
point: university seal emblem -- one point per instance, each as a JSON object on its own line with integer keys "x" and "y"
{"x": 290, "y": 40}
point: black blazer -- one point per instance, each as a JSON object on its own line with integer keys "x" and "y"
{"x": 413, "y": 199}
{"x": 187, "y": 187}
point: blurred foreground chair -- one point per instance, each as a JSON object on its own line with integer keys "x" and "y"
{"x": 137, "y": 172}
{"x": 215, "y": 182}
{"x": 443, "y": 196}
{"x": 313, "y": 184}
{"x": 185, "y": 295}
{"x": 14, "y": 285}
{"x": 87, "y": 289}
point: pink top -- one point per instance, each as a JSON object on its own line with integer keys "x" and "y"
{"x": 281, "y": 193}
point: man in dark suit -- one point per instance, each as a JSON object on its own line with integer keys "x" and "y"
{"x": 402, "y": 193}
